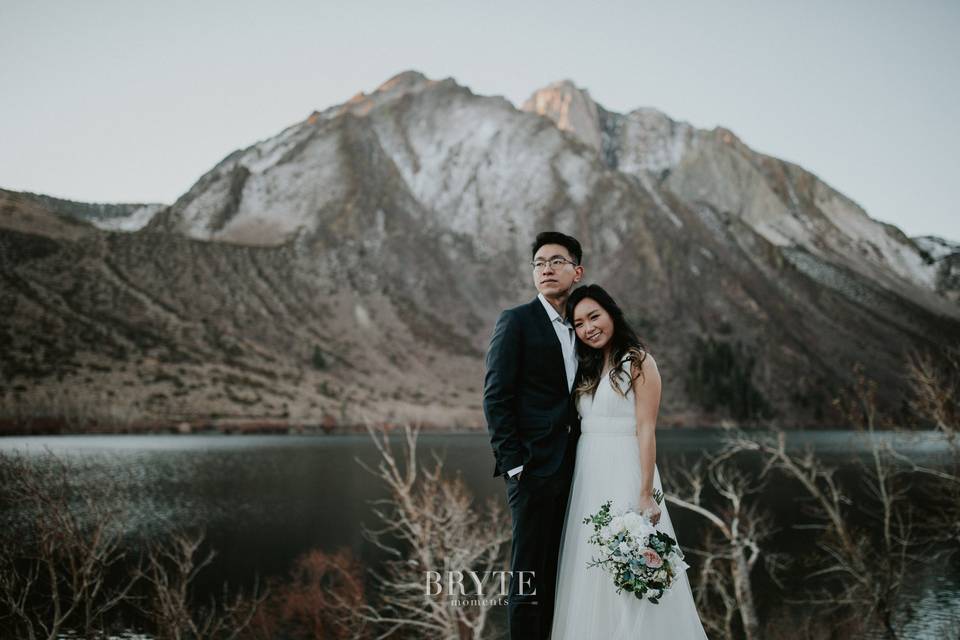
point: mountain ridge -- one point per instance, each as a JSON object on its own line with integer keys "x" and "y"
{"x": 364, "y": 252}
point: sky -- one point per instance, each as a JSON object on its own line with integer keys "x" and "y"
{"x": 132, "y": 101}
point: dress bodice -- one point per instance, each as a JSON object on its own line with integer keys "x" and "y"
{"x": 606, "y": 411}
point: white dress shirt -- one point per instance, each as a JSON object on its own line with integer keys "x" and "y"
{"x": 568, "y": 341}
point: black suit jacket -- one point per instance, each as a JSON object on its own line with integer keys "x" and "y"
{"x": 529, "y": 412}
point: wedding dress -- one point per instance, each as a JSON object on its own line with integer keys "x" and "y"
{"x": 608, "y": 468}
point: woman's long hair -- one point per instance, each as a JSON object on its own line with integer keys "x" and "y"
{"x": 625, "y": 344}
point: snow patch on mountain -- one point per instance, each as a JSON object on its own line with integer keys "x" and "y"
{"x": 650, "y": 141}
{"x": 872, "y": 240}
{"x": 269, "y": 152}
{"x": 137, "y": 219}
{"x": 938, "y": 248}
{"x": 474, "y": 164}
{"x": 269, "y": 191}
{"x": 290, "y": 194}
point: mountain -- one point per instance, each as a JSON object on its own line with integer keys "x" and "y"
{"x": 945, "y": 257}
{"x": 350, "y": 268}
{"x": 114, "y": 217}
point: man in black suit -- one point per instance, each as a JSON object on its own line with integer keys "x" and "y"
{"x": 531, "y": 366}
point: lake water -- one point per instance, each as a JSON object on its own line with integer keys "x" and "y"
{"x": 264, "y": 500}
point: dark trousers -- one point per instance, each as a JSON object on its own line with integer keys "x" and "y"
{"x": 537, "y": 506}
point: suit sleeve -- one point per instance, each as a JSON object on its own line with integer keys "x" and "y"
{"x": 500, "y": 392}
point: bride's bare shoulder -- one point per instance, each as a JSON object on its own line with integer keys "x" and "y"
{"x": 644, "y": 364}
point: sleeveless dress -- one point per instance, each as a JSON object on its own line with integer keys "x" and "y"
{"x": 587, "y": 604}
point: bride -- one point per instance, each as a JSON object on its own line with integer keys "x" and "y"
{"x": 618, "y": 398}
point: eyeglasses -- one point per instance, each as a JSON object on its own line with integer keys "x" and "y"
{"x": 555, "y": 263}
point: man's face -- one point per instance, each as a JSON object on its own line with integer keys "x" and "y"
{"x": 553, "y": 280}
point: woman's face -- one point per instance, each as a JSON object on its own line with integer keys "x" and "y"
{"x": 593, "y": 324}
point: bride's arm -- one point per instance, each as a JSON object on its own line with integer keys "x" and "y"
{"x": 646, "y": 397}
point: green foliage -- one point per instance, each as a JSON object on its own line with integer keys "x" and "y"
{"x": 719, "y": 375}
{"x": 622, "y": 549}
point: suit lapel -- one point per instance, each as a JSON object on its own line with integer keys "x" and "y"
{"x": 554, "y": 361}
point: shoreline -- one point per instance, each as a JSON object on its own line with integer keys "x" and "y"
{"x": 282, "y": 428}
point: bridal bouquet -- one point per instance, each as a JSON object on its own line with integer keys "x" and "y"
{"x": 641, "y": 559}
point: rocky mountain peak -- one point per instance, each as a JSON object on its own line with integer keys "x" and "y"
{"x": 399, "y": 85}
{"x": 404, "y": 81}
{"x": 571, "y": 108}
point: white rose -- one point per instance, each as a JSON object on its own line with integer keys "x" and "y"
{"x": 634, "y": 523}
{"x": 639, "y": 524}
{"x": 616, "y": 524}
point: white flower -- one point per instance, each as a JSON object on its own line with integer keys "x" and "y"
{"x": 638, "y": 525}
{"x": 616, "y": 524}
{"x": 624, "y": 548}
{"x": 632, "y": 521}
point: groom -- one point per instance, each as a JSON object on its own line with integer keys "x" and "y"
{"x": 531, "y": 365}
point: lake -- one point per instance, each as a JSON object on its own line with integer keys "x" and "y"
{"x": 264, "y": 500}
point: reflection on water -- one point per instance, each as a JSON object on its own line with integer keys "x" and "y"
{"x": 264, "y": 500}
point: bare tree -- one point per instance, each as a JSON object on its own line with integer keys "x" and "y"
{"x": 60, "y": 560}
{"x": 935, "y": 399}
{"x": 732, "y": 545}
{"x": 171, "y": 571}
{"x": 429, "y": 523}
{"x": 64, "y": 407}
{"x": 67, "y": 565}
{"x": 315, "y": 601}
{"x": 864, "y": 569}
{"x": 935, "y": 386}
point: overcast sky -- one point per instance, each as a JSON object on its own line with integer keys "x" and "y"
{"x": 131, "y": 101}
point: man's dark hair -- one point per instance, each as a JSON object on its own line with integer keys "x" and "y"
{"x": 555, "y": 237}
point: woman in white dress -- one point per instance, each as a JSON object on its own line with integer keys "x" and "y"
{"x": 618, "y": 399}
